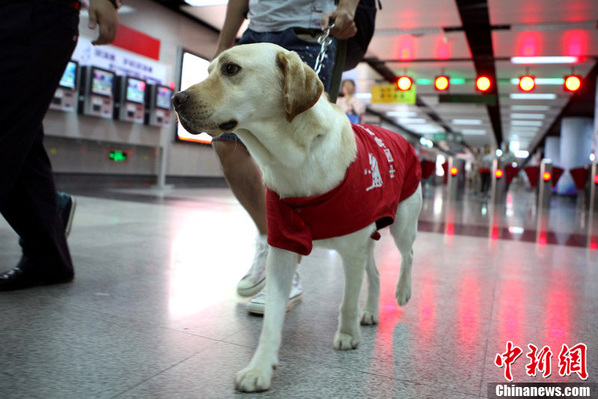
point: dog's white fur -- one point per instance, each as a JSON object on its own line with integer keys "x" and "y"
{"x": 303, "y": 145}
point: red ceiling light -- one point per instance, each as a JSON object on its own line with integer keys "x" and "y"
{"x": 546, "y": 176}
{"x": 442, "y": 83}
{"x": 404, "y": 83}
{"x": 527, "y": 83}
{"x": 483, "y": 83}
{"x": 572, "y": 83}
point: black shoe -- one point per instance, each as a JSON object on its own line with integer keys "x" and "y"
{"x": 21, "y": 278}
{"x": 66, "y": 209}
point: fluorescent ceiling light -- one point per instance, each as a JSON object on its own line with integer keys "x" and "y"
{"x": 544, "y": 60}
{"x": 527, "y": 116}
{"x": 530, "y": 107}
{"x": 473, "y": 132}
{"x": 525, "y": 123}
{"x": 412, "y": 121}
{"x": 467, "y": 122}
{"x": 424, "y": 128}
{"x": 543, "y": 81}
{"x": 532, "y": 96}
{"x": 401, "y": 114}
{"x": 522, "y": 154}
{"x": 524, "y": 129}
{"x": 204, "y": 3}
{"x": 527, "y": 135}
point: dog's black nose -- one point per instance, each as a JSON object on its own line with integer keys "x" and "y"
{"x": 179, "y": 98}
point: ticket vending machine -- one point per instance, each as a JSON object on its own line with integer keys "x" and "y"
{"x": 96, "y": 92}
{"x": 158, "y": 106}
{"x": 129, "y": 97}
{"x": 65, "y": 97}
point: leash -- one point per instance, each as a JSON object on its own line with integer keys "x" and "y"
{"x": 325, "y": 40}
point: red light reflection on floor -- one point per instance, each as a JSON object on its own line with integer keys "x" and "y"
{"x": 510, "y": 303}
{"x": 557, "y": 308}
{"x": 389, "y": 315}
{"x": 469, "y": 301}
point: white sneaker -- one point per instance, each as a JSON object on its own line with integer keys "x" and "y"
{"x": 257, "y": 304}
{"x": 255, "y": 279}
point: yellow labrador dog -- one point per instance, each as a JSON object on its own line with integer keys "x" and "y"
{"x": 305, "y": 147}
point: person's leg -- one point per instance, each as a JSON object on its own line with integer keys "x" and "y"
{"x": 32, "y": 211}
{"x": 36, "y": 40}
{"x": 245, "y": 181}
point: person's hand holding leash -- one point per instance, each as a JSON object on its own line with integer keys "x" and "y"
{"x": 343, "y": 20}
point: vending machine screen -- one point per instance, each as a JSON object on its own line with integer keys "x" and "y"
{"x": 135, "y": 90}
{"x": 163, "y": 95}
{"x": 69, "y": 77}
{"x": 102, "y": 82}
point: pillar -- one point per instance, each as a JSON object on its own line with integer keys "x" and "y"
{"x": 552, "y": 150}
{"x": 576, "y": 147}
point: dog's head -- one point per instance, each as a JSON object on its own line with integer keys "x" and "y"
{"x": 248, "y": 84}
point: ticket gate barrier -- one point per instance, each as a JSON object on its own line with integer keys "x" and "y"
{"x": 499, "y": 182}
{"x": 455, "y": 174}
{"x": 594, "y": 188}
{"x": 549, "y": 177}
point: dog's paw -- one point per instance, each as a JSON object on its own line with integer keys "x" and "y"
{"x": 345, "y": 342}
{"x": 403, "y": 294}
{"x": 369, "y": 318}
{"x": 253, "y": 380}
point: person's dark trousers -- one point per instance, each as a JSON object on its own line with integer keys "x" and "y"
{"x": 37, "y": 39}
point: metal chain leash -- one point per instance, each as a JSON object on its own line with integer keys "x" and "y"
{"x": 325, "y": 40}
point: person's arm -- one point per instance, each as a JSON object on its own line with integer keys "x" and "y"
{"x": 103, "y": 13}
{"x": 235, "y": 16}
{"x": 343, "y": 19}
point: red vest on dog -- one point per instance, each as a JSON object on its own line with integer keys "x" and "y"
{"x": 385, "y": 172}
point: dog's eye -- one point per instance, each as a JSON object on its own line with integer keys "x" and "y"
{"x": 231, "y": 69}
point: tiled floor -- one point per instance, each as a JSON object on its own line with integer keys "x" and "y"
{"x": 153, "y": 311}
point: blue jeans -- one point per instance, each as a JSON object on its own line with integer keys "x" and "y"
{"x": 307, "y": 50}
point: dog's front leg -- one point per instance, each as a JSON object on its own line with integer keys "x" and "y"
{"x": 257, "y": 376}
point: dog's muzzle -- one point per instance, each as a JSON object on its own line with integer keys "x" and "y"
{"x": 178, "y": 99}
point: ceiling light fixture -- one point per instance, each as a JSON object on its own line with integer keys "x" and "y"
{"x": 545, "y": 60}
{"x": 467, "y": 121}
{"x": 205, "y": 3}
{"x": 532, "y": 96}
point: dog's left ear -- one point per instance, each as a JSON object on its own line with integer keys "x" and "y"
{"x": 302, "y": 87}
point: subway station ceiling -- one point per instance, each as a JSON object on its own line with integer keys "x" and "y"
{"x": 463, "y": 39}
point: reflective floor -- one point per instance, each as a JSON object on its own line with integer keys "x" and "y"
{"x": 153, "y": 312}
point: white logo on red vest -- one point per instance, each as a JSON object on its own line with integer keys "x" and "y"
{"x": 375, "y": 172}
